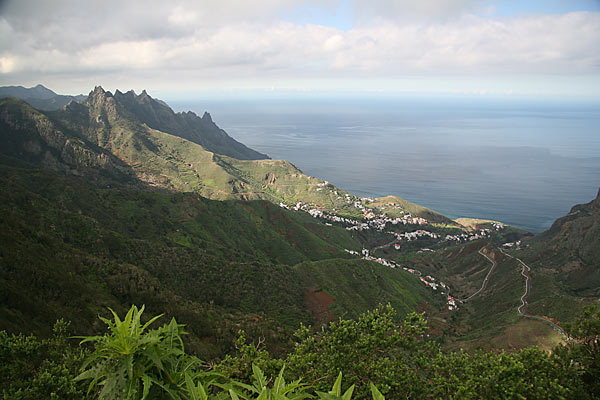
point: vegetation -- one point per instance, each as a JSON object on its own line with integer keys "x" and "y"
{"x": 33, "y": 368}
{"x": 110, "y": 203}
{"x": 377, "y": 358}
{"x": 71, "y": 248}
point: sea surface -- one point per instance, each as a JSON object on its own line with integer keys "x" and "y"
{"x": 521, "y": 161}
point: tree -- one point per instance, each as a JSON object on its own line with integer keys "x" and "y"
{"x": 33, "y": 368}
{"x": 373, "y": 348}
{"x": 584, "y": 347}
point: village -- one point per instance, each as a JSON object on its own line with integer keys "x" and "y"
{"x": 373, "y": 221}
{"x": 380, "y": 222}
{"x": 480, "y": 234}
{"x": 428, "y": 280}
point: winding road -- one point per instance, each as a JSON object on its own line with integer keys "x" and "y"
{"x": 485, "y": 280}
{"x": 525, "y": 271}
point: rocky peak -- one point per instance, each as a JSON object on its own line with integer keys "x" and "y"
{"x": 207, "y": 118}
{"x": 98, "y": 90}
{"x": 145, "y": 96}
{"x": 100, "y": 101}
{"x": 129, "y": 95}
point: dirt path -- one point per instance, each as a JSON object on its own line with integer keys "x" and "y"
{"x": 485, "y": 280}
{"x": 526, "y": 272}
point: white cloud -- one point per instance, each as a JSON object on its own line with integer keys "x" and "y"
{"x": 230, "y": 40}
{"x": 550, "y": 44}
{"x": 122, "y": 55}
{"x": 7, "y": 64}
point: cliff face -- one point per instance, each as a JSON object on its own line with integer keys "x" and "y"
{"x": 138, "y": 140}
{"x": 571, "y": 247}
{"x": 187, "y": 125}
{"x": 104, "y": 106}
{"x": 32, "y": 136}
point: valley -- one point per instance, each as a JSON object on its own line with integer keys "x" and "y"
{"x": 114, "y": 200}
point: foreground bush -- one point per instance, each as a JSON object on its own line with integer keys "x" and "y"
{"x": 31, "y": 368}
{"x": 378, "y": 357}
{"x": 133, "y": 362}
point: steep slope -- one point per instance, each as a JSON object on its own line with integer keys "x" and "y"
{"x": 487, "y": 286}
{"x": 571, "y": 249}
{"x": 104, "y": 128}
{"x": 203, "y": 131}
{"x": 562, "y": 266}
{"x": 30, "y": 135}
{"x": 394, "y": 204}
{"x": 70, "y": 248}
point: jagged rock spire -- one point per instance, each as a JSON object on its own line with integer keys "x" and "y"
{"x": 206, "y": 117}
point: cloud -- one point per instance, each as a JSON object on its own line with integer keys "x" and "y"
{"x": 547, "y": 44}
{"x": 230, "y": 40}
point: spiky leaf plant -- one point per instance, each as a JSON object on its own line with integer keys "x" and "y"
{"x": 133, "y": 362}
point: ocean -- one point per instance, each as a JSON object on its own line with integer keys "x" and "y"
{"x": 522, "y": 161}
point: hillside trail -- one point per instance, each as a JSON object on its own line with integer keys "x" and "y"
{"x": 485, "y": 280}
{"x": 526, "y": 272}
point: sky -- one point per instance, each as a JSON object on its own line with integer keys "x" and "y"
{"x": 183, "y": 48}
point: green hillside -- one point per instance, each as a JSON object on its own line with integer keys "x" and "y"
{"x": 392, "y": 205}
{"x": 137, "y": 204}
{"x": 570, "y": 250}
{"x": 71, "y": 248}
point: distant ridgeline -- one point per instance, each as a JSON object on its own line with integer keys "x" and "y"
{"x": 39, "y": 97}
{"x": 111, "y": 199}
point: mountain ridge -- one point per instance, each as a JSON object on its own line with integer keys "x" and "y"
{"x": 39, "y": 96}
{"x": 188, "y": 125}
{"x": 119, "y": 125}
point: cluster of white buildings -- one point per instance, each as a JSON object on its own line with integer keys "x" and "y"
{"x": 467, "y": 237}
{"x": 451, "y": 303}
{"x": 428, "y": 280}
{"x": 371, "y": 220}
{"x": 377, "y": 222}
{"x": 414, "y": 235}
{"x": 366, "y": 256}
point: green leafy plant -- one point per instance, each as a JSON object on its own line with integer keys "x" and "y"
{"x": 336, "y": 391}
{"x": 373, "y": 348}
{"x": 132, "y": 362}
{"x": 279, "y": 390}
{"x": 376, "y": 393}
{"x": 584, "y": 346}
